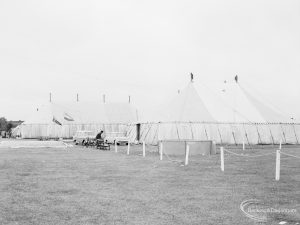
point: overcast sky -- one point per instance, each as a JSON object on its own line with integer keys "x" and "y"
{"x": 145, "y": 49}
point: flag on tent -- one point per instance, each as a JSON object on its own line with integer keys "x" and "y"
{"x": 56, "y": 121}
{"x": 68, "y": 117}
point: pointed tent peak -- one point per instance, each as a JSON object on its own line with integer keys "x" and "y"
{"x": 190, "y": 87}
{"x": 184, "y": 107}
{"x": 191, "y": 107}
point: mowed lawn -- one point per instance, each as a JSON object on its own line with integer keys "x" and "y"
{"x": 87, "y": 186}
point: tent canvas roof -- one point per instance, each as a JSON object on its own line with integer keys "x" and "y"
{"x": 268, "y": 112}
{"x": 186, "y": 106}
{"x": 242, "y": 109}
{"x": 227, "y": 103}
{"x": 83, "y": 113}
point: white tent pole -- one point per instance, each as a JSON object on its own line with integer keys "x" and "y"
{"x": 277, "y": 174}
{"x": 280, "y": 143}
{"x": 144, "y": 149}
{"x": 187, "y": 152}
{"x": 128, "y": 148}
{"x": 161, "y": 151}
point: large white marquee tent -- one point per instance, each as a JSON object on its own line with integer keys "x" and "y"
{"x": 63, "y": 120}
{"x": 232, "y": 116}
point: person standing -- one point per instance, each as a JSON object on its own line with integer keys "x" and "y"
{"x": 100, "y": 136}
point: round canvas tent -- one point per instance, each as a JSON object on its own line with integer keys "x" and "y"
{"x": 229, "y": 115}
{"x": 63, "y": 120}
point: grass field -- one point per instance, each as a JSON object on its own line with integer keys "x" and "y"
{"x": 87, "y": 186}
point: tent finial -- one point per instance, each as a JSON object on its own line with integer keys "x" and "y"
{"x": 103, "y": 98}
{"x": 236, "y": 78}
{"x": 192, "y": 77}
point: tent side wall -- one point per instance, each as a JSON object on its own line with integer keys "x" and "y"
{"x": 67, "y": 130}
{"x": 222, "y": 133}
{"x": 151, "y": 133}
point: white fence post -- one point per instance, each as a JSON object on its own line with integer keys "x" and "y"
{"x": 280, "y": 143}
{"x": 277, "y": 175}
{"x": 222, "y": 158}
{"x": 161, "y": 151}
{"x": 128, "y": 148}
{"x": 116, "y": 146}
{"x": 144, "y": 149}
{"x": 243, "y": 146}
{"x": 187, "y": 152}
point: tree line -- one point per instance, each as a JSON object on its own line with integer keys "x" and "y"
{"x": 7, "y": 125}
